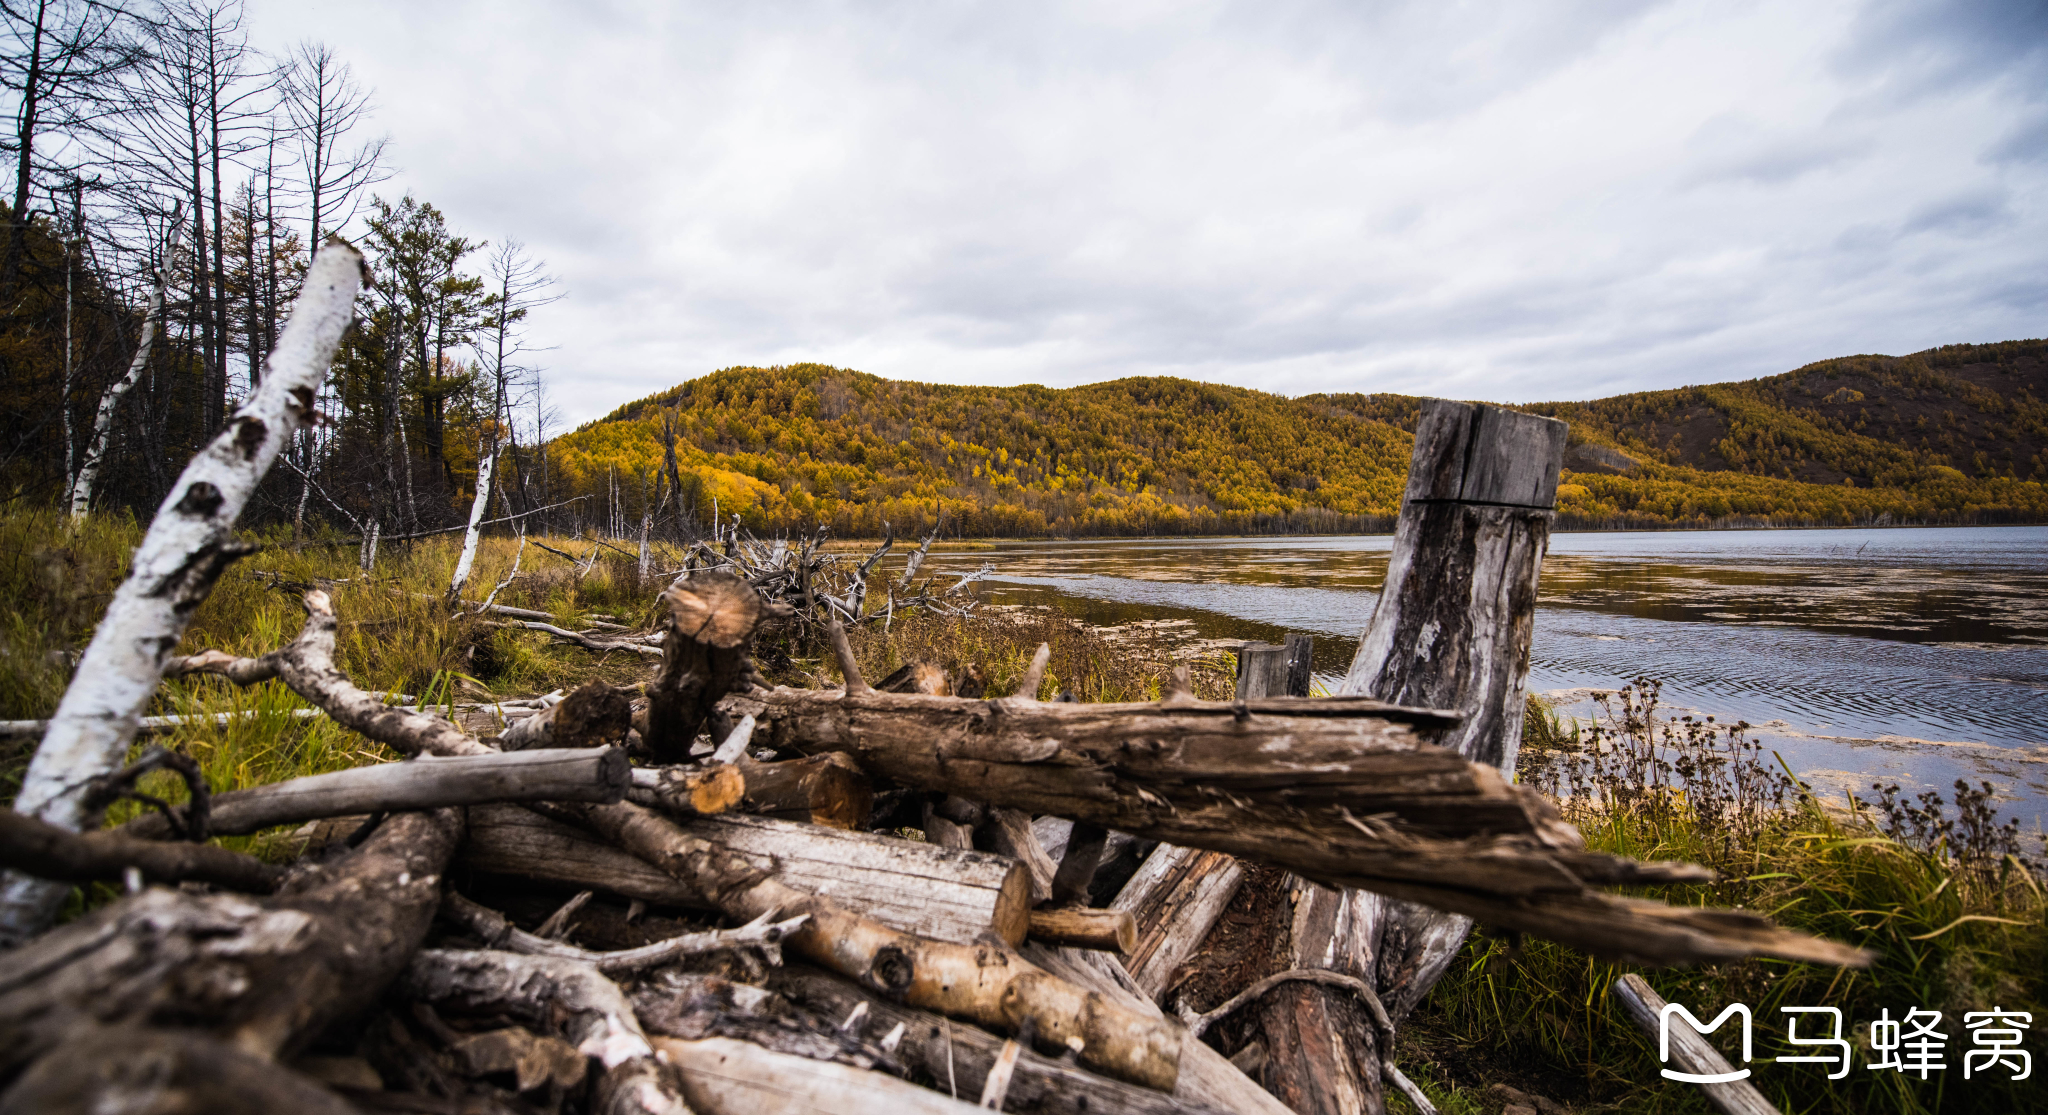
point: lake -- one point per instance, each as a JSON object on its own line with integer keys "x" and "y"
{"x": 1915, "y": 656}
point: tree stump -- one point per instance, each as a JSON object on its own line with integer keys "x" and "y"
{"x": 1451, "y": 631}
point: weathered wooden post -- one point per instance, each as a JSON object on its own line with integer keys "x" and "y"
{"x": 1451, "y": 631}
{"x": 1267, "y": 670}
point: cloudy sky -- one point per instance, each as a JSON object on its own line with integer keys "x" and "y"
{"x": 1505, "y": 201}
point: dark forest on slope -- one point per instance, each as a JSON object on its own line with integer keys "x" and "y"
{"x": 1957, "y": 434}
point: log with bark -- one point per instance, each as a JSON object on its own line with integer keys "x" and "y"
{"x": 828, "y": 789}
{"x": 1083, "y": 928}
{"x": 929, "y": 1044}
{"x": 424, "y": 782}
{"x": 688, "y": 791}
{"x": 595, "y": 1016}
{"x": 43, "y": 850}
{"x": 265, "y": 975}
{"x": 595, "y": 715}
{"x": 984, "y": 983}
{"x": 1347, "y": 791}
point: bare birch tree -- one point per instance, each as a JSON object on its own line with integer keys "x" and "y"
{"x": 188, "y": 546}
{"x": 95, "y": 453}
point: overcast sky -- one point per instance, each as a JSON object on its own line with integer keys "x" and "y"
{"x": 1505, "y": 201}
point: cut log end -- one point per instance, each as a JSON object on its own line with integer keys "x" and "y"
{"x": 716, "y": 608}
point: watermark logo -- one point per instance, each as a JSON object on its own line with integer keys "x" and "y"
{"x": 1834, "y": 1040}
{"x": 1664, "y": 1042}
{"x": 1914, "y": 1044}
{"x": 1998, "y": 1045}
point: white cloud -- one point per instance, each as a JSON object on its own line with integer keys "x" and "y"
{"x": 1515, "y": 202}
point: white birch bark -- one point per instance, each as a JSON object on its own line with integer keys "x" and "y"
{"x": 486, "y": 460}
{"x": 189, "y": 544}
{"x": 103, "y": 425}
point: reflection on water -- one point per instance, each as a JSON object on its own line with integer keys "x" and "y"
{"x": 1917, "y": 656}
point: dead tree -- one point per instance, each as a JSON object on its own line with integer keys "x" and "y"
{"x": 1452, "y": 630}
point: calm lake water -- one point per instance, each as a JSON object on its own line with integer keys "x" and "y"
{"x": 1915, "y": 656}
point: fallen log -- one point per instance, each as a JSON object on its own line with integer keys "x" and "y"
{"x": 1206, "y": 1076}
{"x": 306, "y": 666}
{"x": 940, "y": 893}
{"x": 984, "y": 983}
{"x": 693, "y": 1006}
{"x": 533, "y": 1060}
{"x": 722, "y": 1076}
{"x": 1175, "y": 899}
{"x": 595, "y": 1014}
{"x": 578, "y": 638}
{"x": 1345, "y": 791}
{"x": 140, "y": 1071}
{"x": 265, "y": 975}
{"x": 424, "y": 782}
{"x": 497, "y": 932}
{"x": 1009, "y": 832}
{"x": 595, "y": 715}
{"x": 1689, "y": 1050}
{"x": 1078, "y": 860}
{"x": 1038, "y": 1085}
{"x": 828, "y": 789}
{"x": 148, "y": 725}
{"x": 47, "y": 852}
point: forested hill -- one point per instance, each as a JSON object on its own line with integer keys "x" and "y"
{"x": 1955, "y": 434}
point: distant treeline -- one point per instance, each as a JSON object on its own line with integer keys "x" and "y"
{"x": 1953, "y": 435}
{"x": 169, "y": 181}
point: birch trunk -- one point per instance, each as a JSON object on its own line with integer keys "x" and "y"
{"x": 487, "y": 459}
{"x": 188, "y": 546}
{"x": 102, "y": 427}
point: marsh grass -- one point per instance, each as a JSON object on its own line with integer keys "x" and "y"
{"x": 1949, "y": 903}
{"x": 56, "y": 578}
{"x": 1129, "y": 665}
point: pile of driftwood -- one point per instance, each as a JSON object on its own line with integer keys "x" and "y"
{"x": 752, "y": 932}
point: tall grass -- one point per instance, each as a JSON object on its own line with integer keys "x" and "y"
{"x": 1954, "y": 911}
{"x": 396, "y": 635}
